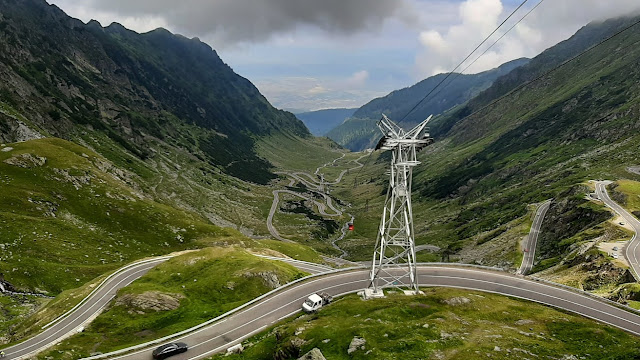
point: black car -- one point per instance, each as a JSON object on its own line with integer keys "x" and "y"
{"x": 167, "y": 350}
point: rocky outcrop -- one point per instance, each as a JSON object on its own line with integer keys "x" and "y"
{"x": 150, "y": 301}
{"x": 26, "y": 161}
{"x": 568, "y": 215}
{"x": 356, "y": 344}
{"x": 314, "y": 354}
{"x": 599, "y": 270}
{"x": 290, "y": 349}
{"x": 269, "y": 279}
{"x": 456, "y": 301}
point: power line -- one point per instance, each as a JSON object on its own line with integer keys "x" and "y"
{"x": 463, "y": 61}
{"x": 566, "y": 62}
{"x": 489, "y": 48}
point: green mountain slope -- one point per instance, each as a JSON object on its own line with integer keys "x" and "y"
{"x": 165, "y": 110}
{"x": 322, "y": 121}
{"x": 67, "y": 217}
{"x": 360, "y": 131}
{"x": 68, "y": 78}
{"x": 577, "y": 123}
{"x": 163, "y": 145}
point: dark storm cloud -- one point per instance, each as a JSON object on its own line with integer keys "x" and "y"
{"x": 256, "y": 20}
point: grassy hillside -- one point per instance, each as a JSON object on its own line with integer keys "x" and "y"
{"x": 443, "y": 324}
{"x": 69, "y": 78}
{"x": 578, "y": 123}
{"x": 360, "y": 132}
{"x": 66, "y": 218}
{"x": 181, "y": 293}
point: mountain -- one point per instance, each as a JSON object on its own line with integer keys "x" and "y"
{"x": 540, "y": 132}
{"x": 116, "y": 146}
{"x": 322, "y": 121}
{"x": 360, "y": 131}
{"x": 67, "y": 78}
{"x": 176, "y": 140}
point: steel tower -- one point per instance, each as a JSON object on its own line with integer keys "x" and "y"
{"x": 394, "y": 258}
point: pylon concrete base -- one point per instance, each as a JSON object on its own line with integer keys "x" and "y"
{"x": 372, "y": 294}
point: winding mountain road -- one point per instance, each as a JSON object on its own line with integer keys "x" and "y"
{"x": 632, "y": 249}
{"x": 311, "y": 182}
{"x": 84, "y": 312}
{"x": 532, "y": 240}
{"x": 286, "y": 301}
{"x": 219, "y": 334}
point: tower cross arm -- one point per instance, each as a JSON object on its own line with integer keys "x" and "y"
{"x": 389, "y": 128}
{"x": 415, "y": 132}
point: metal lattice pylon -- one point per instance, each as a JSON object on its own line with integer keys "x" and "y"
{"x": 394, "y": 258}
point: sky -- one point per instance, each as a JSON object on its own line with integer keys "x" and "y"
{"x": 316, "y": 54}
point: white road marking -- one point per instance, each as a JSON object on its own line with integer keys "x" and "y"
{"x": 83, "y": 313}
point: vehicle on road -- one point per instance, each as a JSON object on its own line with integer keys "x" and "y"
{"x": 615, "y": 248}
{"x": 615, "y": 256}
{"x": 171, "y": 349}
{"x": 621, "y": 223}
{"x": 315, "y": 302}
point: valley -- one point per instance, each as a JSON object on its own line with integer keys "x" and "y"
{"x": 150, "y": 194}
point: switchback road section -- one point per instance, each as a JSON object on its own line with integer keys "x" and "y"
{"x": 84, "y": 312}
{"x": 632, "y": 249}
{"x": 532, "y": 240}
{"x": 287, "y": 300}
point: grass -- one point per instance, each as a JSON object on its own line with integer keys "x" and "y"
{"x": 67, "y": 222}
{"x": 71, "y": 220}
{"x": 293, "y": 153}
{"x": 15, "y": 309}
{"x": 47, "y": 310}
{"x": 24, "y": 316}
{"x": 488, "y": 326}
{"x": 632, "y": 190}
{"x": 206, "y": 283}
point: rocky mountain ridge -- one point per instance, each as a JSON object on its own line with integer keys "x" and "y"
{"x": 64, "y": 78}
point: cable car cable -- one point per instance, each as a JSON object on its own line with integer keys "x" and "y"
{"x": 463, "y": 61}
{"x": 566, "y": 62}
{"x": 355, "y": 182}
{"x": 489, "y": 48}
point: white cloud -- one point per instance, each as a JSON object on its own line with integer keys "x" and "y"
{"x": 317, "y": 90}
{"x": 433, "y": 40}
{"x": 549, "y": 24}
{"x": 230, "y": 22}
{"x": 308, "y": 93}
{"x": 358, "y": 79}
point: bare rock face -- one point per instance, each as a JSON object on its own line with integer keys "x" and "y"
{"x": 26, "y": 161}
{"x": 314, "y": 354}
{"x": 356, "y": 344}
{"x": 457, "y": 301}
{"x": 78, "y": 181}
{"x": 25, "y": 133}
{"x": 270, "y": 279}
{"x": 151, "y": 301}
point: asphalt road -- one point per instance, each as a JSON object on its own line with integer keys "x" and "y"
{"x": 634, "y": 170}
{"x": 233, "y": 329}
{"x": 632, "y": 249}
{"x": 532, "y": 240}
{"x": 427, "y": 247}
{"x": 310, "y": 182}
{"x": 85, "y": 312}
